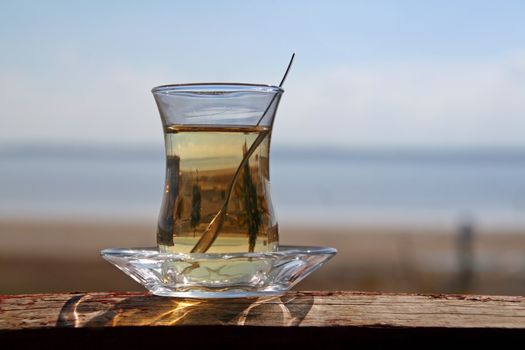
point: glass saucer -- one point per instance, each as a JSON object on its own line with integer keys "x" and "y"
{"x": 231, "y": 275}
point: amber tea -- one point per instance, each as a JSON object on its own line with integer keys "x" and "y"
{"x": 217, "y": 190}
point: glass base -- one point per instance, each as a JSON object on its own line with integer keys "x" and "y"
{"x": 232, "y": 275}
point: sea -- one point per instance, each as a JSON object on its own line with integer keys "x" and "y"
{"x": 310, "y": 185}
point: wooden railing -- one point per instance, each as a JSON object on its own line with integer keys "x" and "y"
{"x": 333, "y": 320}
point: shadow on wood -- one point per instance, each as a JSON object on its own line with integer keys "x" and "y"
{"x": 150, "y": 310}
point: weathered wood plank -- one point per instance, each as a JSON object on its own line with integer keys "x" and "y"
{"x": 334, "y": 320}
{"x": 304, "y": 309}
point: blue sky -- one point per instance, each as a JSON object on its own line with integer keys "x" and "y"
{"x": 367, "y": 73}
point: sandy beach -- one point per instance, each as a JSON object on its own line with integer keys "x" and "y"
{"x": 48, "y": 256}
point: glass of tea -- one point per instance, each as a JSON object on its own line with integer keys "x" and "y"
{"x": 217, "y": 232}
{"x": 217, "y": 190}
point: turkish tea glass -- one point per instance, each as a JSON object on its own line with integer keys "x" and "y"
{"x": 217, "y": 232}
{"x": 217, "y": 189}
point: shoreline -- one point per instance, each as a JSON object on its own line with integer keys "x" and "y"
{"x": 51, "y": 255}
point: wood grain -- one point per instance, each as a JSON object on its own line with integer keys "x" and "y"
{"x": 364, "y": 317}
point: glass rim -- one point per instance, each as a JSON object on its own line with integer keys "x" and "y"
{"x": 203, "y": 88}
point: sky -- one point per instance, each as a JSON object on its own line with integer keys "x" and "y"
{"x": 367, "y": 73}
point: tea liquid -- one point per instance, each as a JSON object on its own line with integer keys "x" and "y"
{"x": 204, "y": 173}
